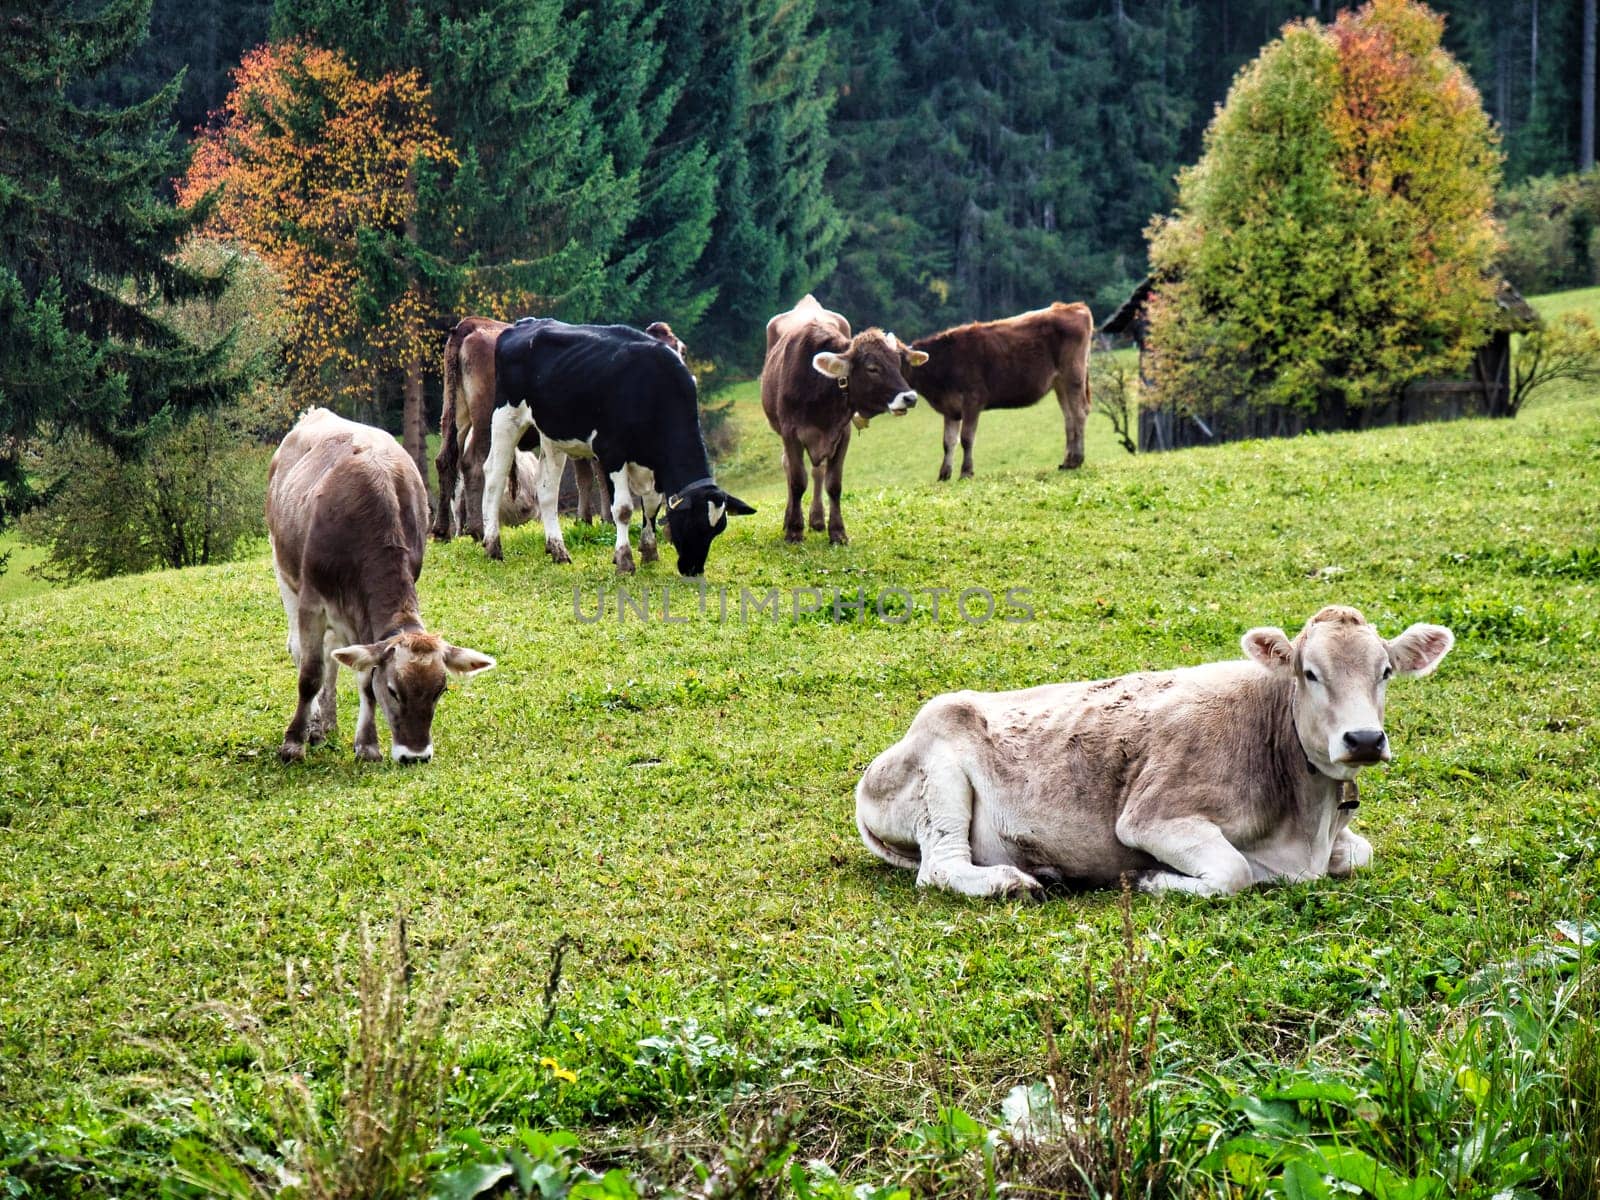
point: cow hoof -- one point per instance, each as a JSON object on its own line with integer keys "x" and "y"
{"x": 475, "y": 534}
{"x": 966, "y": 474}
{"x": 817, "y": 525}
{"x": 1019, "y": 885}
{"x": 370, "y": 753}
{"x": 624, "y": 560}
{"x": 794, "y": 535}
{"x": 944, "y": 475}
{"x": 557, "y": 551}
{"x": 839, "y": 537}
{"x": 1070, "y": 465}
{"x": 648, "y": 553}
{"x": 492, "y": 549}
{"x": 292, "y": 752}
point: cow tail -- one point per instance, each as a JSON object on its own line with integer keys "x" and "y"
{"x": 1088, "y": 346}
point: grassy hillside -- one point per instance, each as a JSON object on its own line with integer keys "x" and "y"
{"x": 676, "y": 798}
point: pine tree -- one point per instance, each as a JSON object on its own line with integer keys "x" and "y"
{"x": 765, "y": 104}
{"x": 86, "y": 245}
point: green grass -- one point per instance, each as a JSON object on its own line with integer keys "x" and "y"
{"x": 677, "y": 800}
{"x": 17, "y": 580}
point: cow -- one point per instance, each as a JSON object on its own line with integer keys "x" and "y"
{"x": 469, "y": 403}
{"x": 347, "y": 516}
{"x": 1205, "y": 779}
{"x": 617, "y": 395}
{"x": 818, "y": 381}
{"x": 1009, "y": 363}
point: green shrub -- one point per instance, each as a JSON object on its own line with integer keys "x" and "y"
{"x": 1335, "y": 240}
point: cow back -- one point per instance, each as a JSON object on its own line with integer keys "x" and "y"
{"x": 347, "y": 511}
{"x": 1009, "y": 363}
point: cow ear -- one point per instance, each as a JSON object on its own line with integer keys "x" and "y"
{"x": 1270, "y": 647}
{"x": 360, "y": 658}
{"x": 737, "y": 507}
{"x": 464, "y": 663}
{"x": 1420, "y": 649}
{"x": 916, "y": 357}
{"x": 834, "y": 366}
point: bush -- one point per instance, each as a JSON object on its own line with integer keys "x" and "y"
{"x": 1335, "y": 239}
{"x": 1551, "y": 226}
{"x": 197, "y": 494}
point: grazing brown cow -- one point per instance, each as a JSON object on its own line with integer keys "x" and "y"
{"x": 816, "y": 381}
{"x": 1205, "y": 779}
{"x": 468, "y": 405}
{"x": 347, "y": 512}
{"x": 1008, "y": 364}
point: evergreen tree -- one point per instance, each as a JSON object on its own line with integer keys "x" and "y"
{"x": 995, "y": 157}
{"x": 764, "y": 102}
{"x": 86, "y": 246}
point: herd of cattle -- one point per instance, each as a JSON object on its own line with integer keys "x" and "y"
{"x": 1205, "y": 779}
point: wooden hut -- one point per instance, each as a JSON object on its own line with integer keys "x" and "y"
{"x": 1482, "y": 392}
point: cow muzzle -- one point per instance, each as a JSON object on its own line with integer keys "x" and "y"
{"x": 903, "y": 403}
{"x": 407, "y": 757}
{"x": 1362, "y": 746}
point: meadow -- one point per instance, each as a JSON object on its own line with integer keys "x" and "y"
{"x": 633, "y": 872}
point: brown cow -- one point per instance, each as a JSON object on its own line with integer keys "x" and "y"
{"x": 347, "y": 513}
{"x": 816, "y": 381}
{"x": 1008, "y": 364}
{"x": 468, "y": 405}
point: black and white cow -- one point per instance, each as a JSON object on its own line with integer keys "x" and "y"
{"x": 620, "y": 396}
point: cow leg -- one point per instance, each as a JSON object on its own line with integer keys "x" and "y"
{"x": 311, "y": 626}
{"x": 1204, "y": 862}
{"x": 650, "y": 502}
{"x": 818, "y": 476}
{"x": 474, "y": 456}
{"x": 794, "y": 469}
{"x": 1072, "y": 393}
{"x": 1351, "y": 852}
{"x": 946, "y": 842}
{"x": 506, "y": 431}
{"x": 952, "y": 429}
{"x": 835, "y": 483}
{"x": 622, "y": 513}
{"x": 969, "y": 431}
{"x": 553, "y": 463}
{"x": 366, "y": 746}
{"x": 325, "y": 715}
{"x": 583, "y": 474}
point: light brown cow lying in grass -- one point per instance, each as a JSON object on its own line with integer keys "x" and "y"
{"x": 1207, "y": 779}
{"x": 347, "y": 512}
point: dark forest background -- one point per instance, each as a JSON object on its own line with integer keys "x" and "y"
{"x": 919, "y": 163}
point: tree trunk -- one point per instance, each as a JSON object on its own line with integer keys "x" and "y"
{"x": 1586, "y": 134}
{"x": 414, "y": 421}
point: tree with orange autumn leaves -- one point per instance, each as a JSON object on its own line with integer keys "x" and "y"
{"x": 318, "y": 172}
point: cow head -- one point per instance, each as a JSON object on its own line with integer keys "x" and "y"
{"x": 871, "y": 373}
{"x": 407, "y": 676}
{"x": 695, "y": 516}
{"x": 662, "y": 332}
{"x": 1340, "y": 670}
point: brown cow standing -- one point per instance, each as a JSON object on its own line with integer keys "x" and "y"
{"x": 1009, "y": 363}
{"x": 816, "y": 380}
{"x": 468, "y": 405}
{"x": 347, "y": 512}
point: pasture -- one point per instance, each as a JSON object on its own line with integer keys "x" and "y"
{"x": 672, "y": 802}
